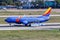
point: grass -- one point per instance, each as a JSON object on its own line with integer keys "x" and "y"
{"x": 24, "y": 12}
{"x": 52, "y": 19}
{"x": 2, "y": 20}
{"x": 30, "y": 35}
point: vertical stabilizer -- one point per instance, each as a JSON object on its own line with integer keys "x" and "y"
{"x": 47, "y": 12}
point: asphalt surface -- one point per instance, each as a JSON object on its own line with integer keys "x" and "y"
{"x": 25, "y": 15}
{"x": 16, "y": 10}
{"x": 47, "y": 26}
{"x": 30, "y": 28}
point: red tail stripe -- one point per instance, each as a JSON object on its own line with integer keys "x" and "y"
{"x": 17, "y": 20}
{"x": 47, "y": 13}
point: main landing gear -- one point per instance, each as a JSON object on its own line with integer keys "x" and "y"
{"x": 10, "y": 24}
{"x": 27, "y": 24}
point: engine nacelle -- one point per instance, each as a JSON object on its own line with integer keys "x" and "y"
{"x": 25, "y": 22}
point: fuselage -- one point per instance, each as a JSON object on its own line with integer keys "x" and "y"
{"x": 28, "y": 20}
{"x": 24, "y": 19}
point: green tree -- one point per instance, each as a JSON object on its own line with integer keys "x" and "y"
{"x": 9, "y": 2}
{"x": 58, "y": 1}
{"x": 18, "y": 3}
{"x": 37, "y": 2}
{"x": 4, "y": 3}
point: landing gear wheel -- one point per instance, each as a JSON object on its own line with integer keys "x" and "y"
{"x": 10, "y": 24}
{"x": 29, "y": 24}
{"x": 26, "y": 25}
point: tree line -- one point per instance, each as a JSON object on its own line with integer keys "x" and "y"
{"x": 13, "y": 2}
{"x": 18, "y": 3}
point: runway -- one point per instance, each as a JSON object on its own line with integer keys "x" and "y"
{"x": 25, "y": 15}
{"x": 30, "y": 28}
{"x": 47, "y": 26}
{"x": 16, "y": 10}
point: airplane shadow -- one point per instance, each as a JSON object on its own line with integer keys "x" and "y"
{"x": 28, "y": 26}
{"x": 14, "y": 26}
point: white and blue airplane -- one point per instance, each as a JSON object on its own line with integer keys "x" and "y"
{"x": 28, "y": 20}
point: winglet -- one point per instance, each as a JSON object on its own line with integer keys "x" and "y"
{"x": 47, "y": 12}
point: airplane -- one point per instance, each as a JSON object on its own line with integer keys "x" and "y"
{"x": 26, "y": 21}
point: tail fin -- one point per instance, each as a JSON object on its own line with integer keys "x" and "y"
{"x": 47, "y": 12}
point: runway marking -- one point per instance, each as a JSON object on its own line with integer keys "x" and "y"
{"x": 26, "y": 15}
{"x": 30, "y": 28}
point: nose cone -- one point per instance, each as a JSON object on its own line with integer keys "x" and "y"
{"x": 12, "y": 20}
{"x": 6, "y": 20}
